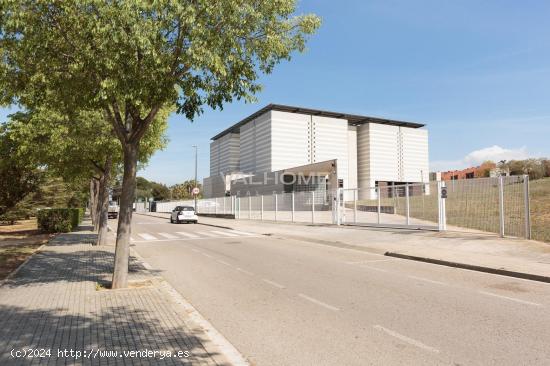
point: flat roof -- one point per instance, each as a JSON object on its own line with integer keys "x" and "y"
{"x": 353, "y": 119}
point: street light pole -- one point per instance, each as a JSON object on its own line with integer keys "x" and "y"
{"x": 196, "y": 185}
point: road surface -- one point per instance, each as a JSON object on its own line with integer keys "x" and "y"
{"x": 282, "y": 301}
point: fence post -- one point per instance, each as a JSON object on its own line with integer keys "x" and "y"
{"x": 379, "y": 208}
{"x": 527, "y": 206}
{"x": 355, "y": 206}
{"x": 442, "y": 217}
{"x": 407, "y": 205}
{"x": 501, "y": 205}
{"x": 249, "y": 207}
{"x": 313, "y": 207}
{"x": 276, "y": 206}
{"x": 238, "y": 201}
{"x": 216, "y": 205}
{"x": 292, "y": 215}
{"x": 261, "y": 207}
{"x": 224, "y": 198}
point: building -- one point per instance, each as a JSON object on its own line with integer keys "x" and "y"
{"x": 283, "y": 149}
{"x": 484, "y": 170}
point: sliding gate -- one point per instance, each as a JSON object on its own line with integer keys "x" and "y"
{"x": 414, "y": 205}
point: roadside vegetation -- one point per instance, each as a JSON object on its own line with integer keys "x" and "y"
{"x": 146, "y": 189}
{"x": 17, "y": 243}
{"x": 540, "y": 209}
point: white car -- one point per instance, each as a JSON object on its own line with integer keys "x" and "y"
{"x": 183, "y": 214}
{"x": 113, "y": 210}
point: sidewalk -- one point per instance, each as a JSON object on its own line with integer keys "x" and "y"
{"x": 53, "y": 306}
{"x": 489, "y": 253}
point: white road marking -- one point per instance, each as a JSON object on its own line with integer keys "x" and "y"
{"x": 243, "y": 233}
{"x": 223, "y": 233}
{"x": 223, "y": 262}
{"x": 375, "y": 269}
{"x": 320, "y": 303}
{"x": 188, "y": 235}
{"x": 196, "y": 250}
{"x": 207, "y": 255}
{"x": 370, "y": 261}
{"x": 168, "y": 236}
{"x": 205, "y": 233}
{"x": 427, "y": 280}
{"x": 245, "y": 271}
{"x": 147, "y": 236}
{"x": 510, "y": 298}
{"x": 406, "y": 339}
{"x": 273, "y": 283}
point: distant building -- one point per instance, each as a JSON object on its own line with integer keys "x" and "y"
{"x": 265, "y": 152}
{"x": 484, "y": 170}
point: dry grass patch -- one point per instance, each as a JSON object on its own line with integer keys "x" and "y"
{"x": 17, "y": 243}
{"x": 540, "y": 209}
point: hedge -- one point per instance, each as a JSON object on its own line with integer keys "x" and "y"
{"x": 59, "y": 220}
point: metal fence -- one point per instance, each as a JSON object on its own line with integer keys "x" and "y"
{"x": 307, "y": 207}
{"x": 403, "y": 205}
{"x": 498, "y": 205}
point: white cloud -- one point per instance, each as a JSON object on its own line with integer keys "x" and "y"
{"x": 494, "y": 153}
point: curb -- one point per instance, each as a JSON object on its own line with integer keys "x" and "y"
{"x": 471, "y": 267}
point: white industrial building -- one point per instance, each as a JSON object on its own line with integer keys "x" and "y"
{"x": 331, "y": 149}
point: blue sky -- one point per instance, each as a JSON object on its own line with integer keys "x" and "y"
{"x": 476, "y": 72}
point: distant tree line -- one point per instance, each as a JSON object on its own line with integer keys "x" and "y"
{"x": 535, "y": 168}
{"x": 146, "y": 189}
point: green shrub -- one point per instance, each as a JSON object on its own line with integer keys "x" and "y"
{"x": 59, "y": 220}
{"x": 8, "y": 218}
{"x": 11, "y": 217}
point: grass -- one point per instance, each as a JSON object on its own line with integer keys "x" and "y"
{"x": 17, "y": 243}
{"x": 540, "y": 209}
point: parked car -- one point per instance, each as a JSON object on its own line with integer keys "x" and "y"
{"x": 112, "y": 213}
{"x": 183, "y": 214}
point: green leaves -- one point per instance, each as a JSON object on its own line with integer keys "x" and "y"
{"x": 92, "y": 53}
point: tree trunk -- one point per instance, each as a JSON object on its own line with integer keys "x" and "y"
{"x": 94, "y": 197}
{"x": 92, "y": 201}
{"x": 122, "y": 251}
{"x": 99, "y": 200}
{"x": 104, "y": 203}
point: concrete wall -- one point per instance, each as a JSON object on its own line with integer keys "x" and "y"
{"x": 290, "y": 140}
{"x": 390, "y": 154}
{"x": 255, "y": 145}
{"x": 214, "y": 186}
{"x": 415, "y": 160}
{"x": 330, "y": 141}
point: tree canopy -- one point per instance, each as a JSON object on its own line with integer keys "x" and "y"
{"x": 18, "y": 176}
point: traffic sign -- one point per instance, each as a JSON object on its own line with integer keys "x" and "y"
{"x": 196, "y": 191}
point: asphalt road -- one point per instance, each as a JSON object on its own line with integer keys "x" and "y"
{"x": 283, "y": 301}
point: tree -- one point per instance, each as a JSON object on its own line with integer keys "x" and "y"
{"x": 132, "y": 58}
{"x": 18, "y": 177}
{"x": 185, "y": 190}
{"x": 148, "y": 189}
{"x": 62, "y": 143}
{"x": 546, "y": 166}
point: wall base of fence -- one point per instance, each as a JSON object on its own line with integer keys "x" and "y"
{"x": 219, "y": 216}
